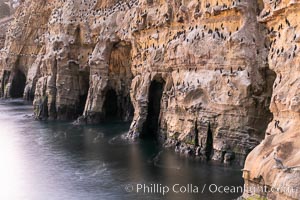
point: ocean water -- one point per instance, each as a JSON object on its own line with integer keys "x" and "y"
{"x": 47, "y": 160}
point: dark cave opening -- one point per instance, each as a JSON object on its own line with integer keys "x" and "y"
{"x": 84, "y": 83}
{"x": 196, "y": 134}
{"x": 81, "y": 104}
{"x": 117, "y": 105}
{"x": 209, "y": 143}
{"x": 110, "y": 106}
{"x": 151, "y": 125}
{"x": 18, "y": 84}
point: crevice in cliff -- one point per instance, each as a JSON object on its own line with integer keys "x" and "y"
{"x": 18, "y": 84}
{"x": 270, "y": 77}
{"x": 196, "y": 134}
{"x": 209, "y": 143}
{"x": 84, "y": 89}
{"x": 263, "y": 108}
{"x": 151, "y": 125}
{"x": 77, "y": 35}
{"x": 81, "y": 105}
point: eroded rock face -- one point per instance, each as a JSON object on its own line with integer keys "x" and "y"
{"x": 4, "y": 9}
{"x": 5, "y": 18}
{"x": 276, "y": 161}
{"x": 4, "y": 23}
{"x": 206, "y": 63}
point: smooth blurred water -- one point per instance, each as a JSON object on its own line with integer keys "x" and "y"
{"x": 60, "y": 161}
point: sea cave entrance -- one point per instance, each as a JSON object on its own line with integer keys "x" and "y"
{"x": 209, "y": 143}
{"x": 84, "y": 84}
{"x": 18, "y": 84}
{"x": 151, "y": 125}
{"x": 117, "y": 103}
{"x": 111, "y": 106}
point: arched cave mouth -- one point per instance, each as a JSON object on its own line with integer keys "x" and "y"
{"x": 18, "y": 84}
{"x": 151, "y": 126}
{"x": 117, "y": 103}
{"x": 111, "y": 107}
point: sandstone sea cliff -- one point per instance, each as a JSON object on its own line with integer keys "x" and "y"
{"x": 217, "y": 78}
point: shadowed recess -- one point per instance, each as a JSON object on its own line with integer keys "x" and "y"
{"x": 151, "y": 125}
{"x": 209, "y": 143}
{"x": 111, "y": 105}
{"x": 18, "y": 84}
{"x": 84, "y": 89}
